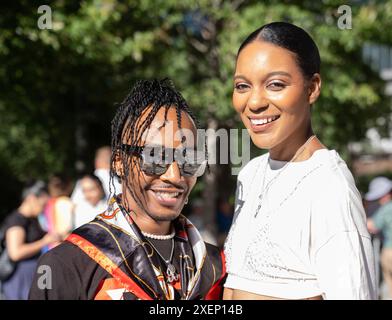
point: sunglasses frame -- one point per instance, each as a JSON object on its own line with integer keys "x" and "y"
{"x": 142, "y": 153}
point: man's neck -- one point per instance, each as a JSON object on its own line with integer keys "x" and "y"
{"x": 143, "y": 220}
{"x": 149, "y": 225}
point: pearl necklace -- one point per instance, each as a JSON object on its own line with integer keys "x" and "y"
{"x": 158, "y": 236}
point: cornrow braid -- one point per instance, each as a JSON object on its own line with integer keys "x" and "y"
{"x": 155, "y": 94}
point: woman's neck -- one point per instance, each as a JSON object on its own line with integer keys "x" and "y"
{"x": 288, "y": 149}
{"x": 25, "y": 210}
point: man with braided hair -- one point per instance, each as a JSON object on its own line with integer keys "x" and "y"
{"x": 141, "y": 247}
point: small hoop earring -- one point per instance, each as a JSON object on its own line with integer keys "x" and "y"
{"x": 186, "y": 200}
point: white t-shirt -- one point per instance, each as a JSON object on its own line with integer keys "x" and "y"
{"x": 309, "y": 237}
{"x": 85, "y": 212}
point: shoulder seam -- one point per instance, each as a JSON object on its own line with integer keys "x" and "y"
{"x": 335, "y": 234}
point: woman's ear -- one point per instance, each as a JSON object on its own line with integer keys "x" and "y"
{"x": 314, "y": 88}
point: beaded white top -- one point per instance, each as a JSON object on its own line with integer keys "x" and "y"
{"x": 310, "y": 237}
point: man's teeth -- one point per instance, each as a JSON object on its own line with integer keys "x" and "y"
{"x": 263, "y": 121}
{"x": 167, "y": 195}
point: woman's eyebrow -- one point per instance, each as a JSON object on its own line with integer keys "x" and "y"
{"x": 239, "y": 76}
{"x": 270, "y": 74}
{"x": 278, "y": 73}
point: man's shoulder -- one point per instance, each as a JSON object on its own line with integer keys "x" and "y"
{"x": 387, "y": 207}
{"x": 65, "y": 253}
{"x": 214, "y": 252}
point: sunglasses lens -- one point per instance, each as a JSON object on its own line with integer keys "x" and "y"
{"x": 193, "y": 169}
{"x": 155, "y": 162}
{"x": 153, "y": 169}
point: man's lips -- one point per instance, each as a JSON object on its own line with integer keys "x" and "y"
{"x": 167, "y": 196}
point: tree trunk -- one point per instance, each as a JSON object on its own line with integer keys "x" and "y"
{"x": 210, "y": 184}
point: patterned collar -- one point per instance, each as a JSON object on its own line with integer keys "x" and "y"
{"x": 185, "y": 230}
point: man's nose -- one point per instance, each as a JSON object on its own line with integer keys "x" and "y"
{"x": 172, "y": 173}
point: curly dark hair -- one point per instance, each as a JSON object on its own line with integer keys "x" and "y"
{"x": 127, "y": 126}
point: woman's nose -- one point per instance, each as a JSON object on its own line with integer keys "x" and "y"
{"x": 257, "y": 102}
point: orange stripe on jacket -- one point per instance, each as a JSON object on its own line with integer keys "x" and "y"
{"x": 107, "y": 264}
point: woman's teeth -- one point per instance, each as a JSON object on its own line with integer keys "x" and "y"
{"x": 263, "y": 121}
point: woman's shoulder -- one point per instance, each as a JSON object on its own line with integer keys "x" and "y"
{"x": 336, "y": 201}
{"x": 250, "y": 169}
{"x": 16, "y": 219}
{"x": 333, "y": 172}
{"x": 63, "y": 202}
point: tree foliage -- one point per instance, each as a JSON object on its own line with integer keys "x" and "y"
{"x": 59, "y": 86}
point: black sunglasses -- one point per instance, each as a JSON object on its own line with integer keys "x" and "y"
{"x": 155, "y": 160}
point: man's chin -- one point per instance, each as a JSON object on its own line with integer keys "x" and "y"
{"x": 162, "y": 216}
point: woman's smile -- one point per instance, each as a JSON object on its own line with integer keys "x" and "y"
{"x": 261, "y": 124}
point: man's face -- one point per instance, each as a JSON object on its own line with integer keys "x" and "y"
{"x": 162, "y": 196}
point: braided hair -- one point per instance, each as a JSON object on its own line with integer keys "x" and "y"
{"x": 128, "y": 126}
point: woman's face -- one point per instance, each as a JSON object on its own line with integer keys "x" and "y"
{"x": 91, "y": 190}
{"x": 271, "y": 94}
{"x": 38, "y": 203}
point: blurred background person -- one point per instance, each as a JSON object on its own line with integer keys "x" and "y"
{"x": 196, "y": 217}
{"x": 25, "y": 239}
{"x": 59, "y": 209}
{"x": 102, "y": 171}
{"x": 224, "y": 218}
{"x": 380, "y": 190}
{"x": 95, "y": 200}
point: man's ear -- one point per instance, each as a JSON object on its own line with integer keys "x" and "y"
{"x": 118, "y": 165}
{"x": 314, "y": 88}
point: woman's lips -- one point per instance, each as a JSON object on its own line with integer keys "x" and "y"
{"x": 262, "y": 124}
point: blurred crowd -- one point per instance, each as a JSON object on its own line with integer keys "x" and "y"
{"x": 378, "y": 206}
{"x": 48, "y": 213}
